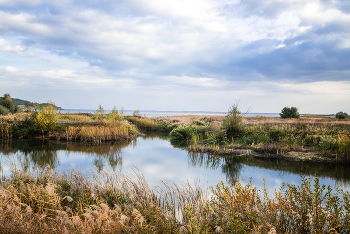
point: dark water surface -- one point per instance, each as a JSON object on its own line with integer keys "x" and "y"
{"x": 159, "y": 161}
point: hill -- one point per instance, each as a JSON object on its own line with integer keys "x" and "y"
{"x": 22, "y": 102}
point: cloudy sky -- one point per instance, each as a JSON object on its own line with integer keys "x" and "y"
{"x": 200, "y": 55}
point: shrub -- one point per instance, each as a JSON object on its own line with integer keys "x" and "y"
{"x": 45, "y": 119}
{"x": 136, "y": 113}
{"x": 341, "y": 115}
{"x": 4, "y": 110}
{"x": 289, "y": 112}
{"x": 115, "y": 115}
{"x": 100, "y": 113}
{"x": 7, "y": 102}
{"x": 233, "y": 121}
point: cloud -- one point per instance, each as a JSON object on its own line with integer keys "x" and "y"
{"x": 180, "y": 46}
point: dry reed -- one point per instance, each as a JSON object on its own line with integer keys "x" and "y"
{"x": 113, "y": 203}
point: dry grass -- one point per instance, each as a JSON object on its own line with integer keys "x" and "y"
{"x": 114, "y": 203}
{"x": 75, "y": 117}
{"x": 145, "y": 124}
{"x": 6, "y": 122}
{"x": 121, "y": 130}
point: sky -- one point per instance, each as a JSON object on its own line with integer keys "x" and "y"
{"x": 178, "y": 55}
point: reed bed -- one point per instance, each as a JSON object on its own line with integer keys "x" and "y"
{"x": 74, "y": 117}
{"x": 145, "y": 124}
{"x": 118, "y": 131}
{"x": 7, "y": 122}
{"x": 328, "y": 139}
{"x": 114, "y": 203}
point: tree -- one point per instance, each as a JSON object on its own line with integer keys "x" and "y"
{"x": 341, "y": 115}
{"x": 7, "y": 103}
{"x": 289, "y": 112}
{"x": 45, "y": 119}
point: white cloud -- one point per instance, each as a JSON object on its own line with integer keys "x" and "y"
{"x": 140, "y": 49}
{"x": 10, "y": 69}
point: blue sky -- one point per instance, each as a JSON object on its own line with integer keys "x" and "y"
{"x": 178, "y": 55}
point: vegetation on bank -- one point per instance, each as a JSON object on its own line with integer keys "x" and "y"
{"x": 7, "y": 105}
{"x": 45, "y": 122}
{"x": 330, "y": 140}
{"x": 113, "y": 203}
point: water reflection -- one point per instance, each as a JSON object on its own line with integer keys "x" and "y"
{"x": 154, "y": 156}
{"x": 36, "y": 154}
{"x": 230, "y": 166}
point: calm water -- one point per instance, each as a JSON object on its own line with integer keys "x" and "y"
{"x": 158, "y": 160}
{"x": 149, "y": 113}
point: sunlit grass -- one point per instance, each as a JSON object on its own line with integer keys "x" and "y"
{"x": 74, "y": 117}
{"x": 118, "y": 131}
{"x": 114, "y": 203}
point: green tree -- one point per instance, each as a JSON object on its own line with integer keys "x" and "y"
{"x": 341, "y": 115}
{"x": 7, "y": 102}
{"x": 289, "y": 112}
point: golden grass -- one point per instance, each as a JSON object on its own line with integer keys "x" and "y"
{"x": 114, "y": 203}
{"x": 74, "y": 117}
{"x": 146, "y": 124}
{"x": 118, "y": 131}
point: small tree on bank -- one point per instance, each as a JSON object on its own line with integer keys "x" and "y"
{"x": 289, "y": 112}
{"x": 7, "y": 105}
{"x": 341, "y": 115}
{"x": 233, "y": 122}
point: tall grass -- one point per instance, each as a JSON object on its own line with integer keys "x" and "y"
{"x": 113, "y": 203}
{"x": 145, "y": 124}
{"x": 121, "y": 130}
{"x": 74, "y": 117}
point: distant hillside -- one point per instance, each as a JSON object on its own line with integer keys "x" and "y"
{"x": 22, "y": 102}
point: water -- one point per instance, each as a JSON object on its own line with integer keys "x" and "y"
{"x": 149, "y": 113}
{"x": 159, "y": 161}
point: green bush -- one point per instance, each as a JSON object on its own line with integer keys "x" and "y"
{"x": 7, "y": 102}
{"x": 4, "y": 110}
{"x": 341, "y": 115}
{"x": 233, "y": 122}
{"x": 289, "y": 112}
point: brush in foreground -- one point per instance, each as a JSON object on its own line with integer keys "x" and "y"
{"x": 114, "y": 203}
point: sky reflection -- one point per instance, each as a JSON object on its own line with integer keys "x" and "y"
{"x": 159, "y": 161}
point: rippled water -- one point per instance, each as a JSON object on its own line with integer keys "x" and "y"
{"x": 159, "y": 161}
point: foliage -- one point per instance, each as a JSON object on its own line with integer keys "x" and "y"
{"x": 7, "y": 103}
{"x": 45, "y": 120}
{"x": 4, "y": 110}
{"x": 289, "y": 112}
{"x": 115, "y": 115}
{"x": 341, "y": 115}
{"x": 233, "y": 123}
{"x": 136, "y": 113}
{"x": 99, "y": 113}
{"x": 115, "y": 203}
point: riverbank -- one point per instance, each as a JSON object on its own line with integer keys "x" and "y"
{"x": 309, "y": 138}
{"x": 315, "y": 138}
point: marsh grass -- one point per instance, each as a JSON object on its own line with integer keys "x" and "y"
{"x": 74, "y": 117}
{"x": 114, "y": 203}
{"x": 144, "y": 124}
{"x": 121, "y": 130}
{"x": 332, "y": 140}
